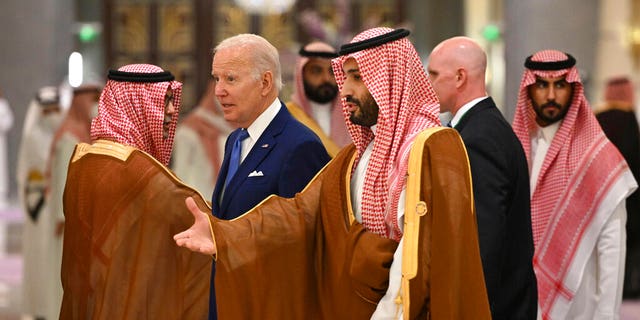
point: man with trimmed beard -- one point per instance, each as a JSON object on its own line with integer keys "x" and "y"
{"x": 385, "y": 230}
{"x": 199, "y": 146}
{"x": 579, "y": 183}
{"x": 120, "y": 198}
{"x": 315, "y": 100}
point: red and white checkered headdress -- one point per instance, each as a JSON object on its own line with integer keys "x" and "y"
{"x": 393, "y": 73}
{"x": 132, "y": 108}
{"x": 581, "y": 167}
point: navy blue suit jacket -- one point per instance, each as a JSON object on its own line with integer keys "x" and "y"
{"x": 500, "y": 178}
{"x": 287, "y": 154}
{"x": 283, "y": 160}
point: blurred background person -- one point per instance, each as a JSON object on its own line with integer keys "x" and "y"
{"x": 42, "y": 291}
{"x": 315, "y": 100}
{"x": 6, "y": 122}
{"x": 75, "y": 128}
{"x": 618, "y": 121}
{"x": 199, "y": 144}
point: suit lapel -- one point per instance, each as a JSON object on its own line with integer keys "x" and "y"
{"x": 258, "y": 153}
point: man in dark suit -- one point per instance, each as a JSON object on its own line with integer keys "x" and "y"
{"x": 499, "y": 173}
{"x": 270, "y": 152}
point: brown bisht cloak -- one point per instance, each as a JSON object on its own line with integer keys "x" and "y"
{"x": 122, "y": 208}
{"x": 306, "y": 257}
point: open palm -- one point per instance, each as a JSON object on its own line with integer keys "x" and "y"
{"x": 198, "y": 237}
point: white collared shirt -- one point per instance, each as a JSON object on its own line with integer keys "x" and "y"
{"x": 540, "y": 143}
{"x": 357, "y": 180}
{"x": 387, "y": 307}
{"x": 466, "y": 107}
{"x": 258, "y": 126}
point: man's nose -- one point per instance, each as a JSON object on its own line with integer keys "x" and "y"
{"x": 219, "y": 90}
{"x": 551, "y": 94}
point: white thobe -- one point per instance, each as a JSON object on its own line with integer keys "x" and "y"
{"x": 599, "y": 294}
{"x": 387, "y": 307}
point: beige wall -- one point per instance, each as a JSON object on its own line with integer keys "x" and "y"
{"x": 35, "y": 43}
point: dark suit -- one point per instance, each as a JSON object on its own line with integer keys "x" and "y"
{"x": 283, "y": 160}
{"x": 501, "y": 191}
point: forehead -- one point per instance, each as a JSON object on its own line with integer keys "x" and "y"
{"x": 230, "y": 60}
{"x": 350, "y": 65}
{"x": 551, "y": 79}
{"x": 320, "y": 62}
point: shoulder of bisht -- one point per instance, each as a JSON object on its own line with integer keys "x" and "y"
{"x": 439, "y": 203}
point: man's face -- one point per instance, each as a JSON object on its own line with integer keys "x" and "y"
{"x": 360, "y": 103}
{"x": 51, "y": 117}
{"x": 443, "y": 79}
{"x": 550, "y": 98}
{"x": 319, "y": 83}
{"x": 238, "y": 86}
{"x": 169, "y": 110}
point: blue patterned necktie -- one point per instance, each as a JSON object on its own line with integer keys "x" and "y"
{"x": 234, "y": 159}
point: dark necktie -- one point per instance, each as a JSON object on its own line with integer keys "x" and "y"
{"x": 449, "y": 124}
{"x": 234, "y": 159}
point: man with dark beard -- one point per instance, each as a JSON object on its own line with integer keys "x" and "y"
{"x": 386, "y": 230}
{"x": 119, "y": 206}
{"x": 314, "y": 101}
{"x": 579, "y": 183}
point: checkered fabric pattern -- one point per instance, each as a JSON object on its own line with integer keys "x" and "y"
{"x": 395, "y": 77}
{"x": 573, "y": 143}
{"x": 580, "y": 167}
{"x": 132, "y": 113}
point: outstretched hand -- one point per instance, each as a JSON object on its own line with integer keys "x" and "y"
{"x": 198, "y": 238}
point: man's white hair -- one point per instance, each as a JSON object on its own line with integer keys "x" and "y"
{"x": 265, "y": 56}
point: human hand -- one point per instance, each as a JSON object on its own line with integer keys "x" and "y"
{"x": 198, "y": 238}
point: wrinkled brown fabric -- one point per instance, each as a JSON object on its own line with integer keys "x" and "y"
{"x": 449, "y": 253}
{"x": 119, "y": 257}
{"x": 300, "y": 259}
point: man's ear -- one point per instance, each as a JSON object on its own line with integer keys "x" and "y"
{"x": 461, "y": 77}
{"x": 267, "y": 83}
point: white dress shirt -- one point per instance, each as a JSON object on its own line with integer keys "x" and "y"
{"x": 540, "y": 143}
{"x": 466, "y": 107}
{"x": 387, "y": 307}
{"x": 258, "y": 126}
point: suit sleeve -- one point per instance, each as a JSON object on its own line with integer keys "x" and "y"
{"x": 301, "y": 166}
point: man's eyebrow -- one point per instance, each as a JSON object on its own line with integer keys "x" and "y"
{"x": 542, "y": 80}
{"x": 352, "y": 70}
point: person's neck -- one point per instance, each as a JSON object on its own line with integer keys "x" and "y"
{"x": 465, "y": 100}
